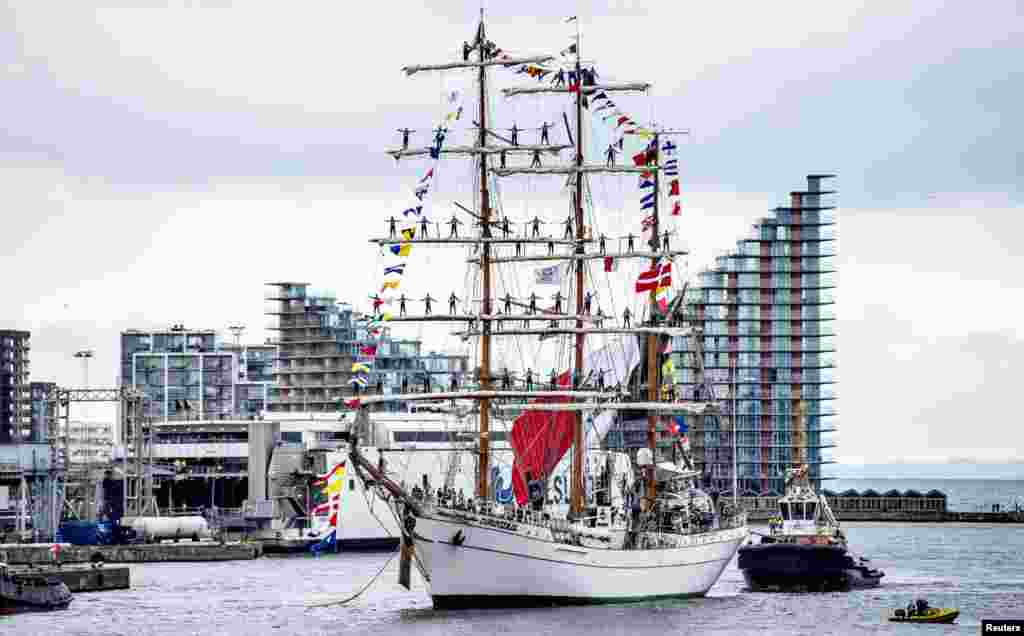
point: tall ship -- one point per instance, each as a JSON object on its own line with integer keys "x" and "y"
{"x": 563, "y": 520}
{"x": 806, "y": 548}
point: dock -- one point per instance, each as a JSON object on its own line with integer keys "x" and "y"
{"x": 41, "y": 554}
{"x": 82, "y": 578}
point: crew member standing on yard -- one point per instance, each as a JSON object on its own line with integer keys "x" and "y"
{"x": 544, "y": 133}
{"x": 405, "y": 137}
{"x": 454, "y": 222}
{"x": 568, "y": 227}
{"x": 423, "y": 227}
{"x": 426, "y": 301}
{"x": 535, "y": 163}
{"x": 536, "y": 226}
{"x": 451, "y": 303}
{"x": 515, "y": 134}
{"x": 391, "y": 226}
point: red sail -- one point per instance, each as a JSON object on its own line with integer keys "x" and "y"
{"x": 540, "y": 439}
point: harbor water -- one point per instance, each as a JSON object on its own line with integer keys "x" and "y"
{"x": 976, "y": 568}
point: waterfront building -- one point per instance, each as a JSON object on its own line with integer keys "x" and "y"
{"x": 254, "y": 379}
{"x": 318, "y": 341}
{"x": 15, "y": 417}
{"x": 181, "y": 371}
{"x": 26, "y": 484}
{"x": 767, "y": 350}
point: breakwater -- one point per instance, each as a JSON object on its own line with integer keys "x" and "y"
{"x": 892, "y": 505}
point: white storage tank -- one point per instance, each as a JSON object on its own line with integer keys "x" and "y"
{"x": 159, "y": 528}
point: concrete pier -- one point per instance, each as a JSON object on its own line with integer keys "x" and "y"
{"x": 42, "y": 554}
{"x": 84, "y": 578}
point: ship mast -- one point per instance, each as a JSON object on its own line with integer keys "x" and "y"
{"x": 485, "y": 266}
{"x": 577, "y": 435}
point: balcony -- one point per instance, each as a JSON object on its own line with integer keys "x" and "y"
{"x": 303, "y": 323}
{"x": 313, "y": 385}
{"x": 284, "y": 342}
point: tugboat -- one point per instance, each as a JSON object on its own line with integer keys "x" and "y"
{"x": 31, "y": 592}
{"x": 806, "y": 548}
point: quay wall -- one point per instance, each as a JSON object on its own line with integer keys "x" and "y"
{"x": 84, "y": 578}
{"x": 42, "y": 554}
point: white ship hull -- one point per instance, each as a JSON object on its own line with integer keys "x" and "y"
{"x": 495, "y": 567}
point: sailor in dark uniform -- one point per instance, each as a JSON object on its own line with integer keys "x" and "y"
{"x": 535, "y": 492}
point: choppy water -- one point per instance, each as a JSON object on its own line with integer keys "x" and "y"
{"x": 977, "y": 568}
{"x": 962, "y": 495}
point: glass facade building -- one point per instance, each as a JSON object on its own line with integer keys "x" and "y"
{"x": 182, "y": 372}
{"x": 766, "y": 351}
{"x": 255, "y": 376}
{"x": 319, "y": 340}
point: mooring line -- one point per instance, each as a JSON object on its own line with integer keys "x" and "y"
{"x": 363, "y": 589}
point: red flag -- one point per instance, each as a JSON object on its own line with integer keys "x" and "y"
{"x": 654, "y": 278}
{"x": 676, "y": 209}
{"x": 370, "y": 350}
{"x": 621, "y": 121}
{"x": 673, "y": 188}
{"x": 609, "y": 264}
{"x": 353, "y": 403}
{"x": 640, "y": 159}
{"x": 647, "y": 281}
{"x": 574, "y": 87}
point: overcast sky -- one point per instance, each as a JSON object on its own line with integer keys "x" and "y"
{"x": 158, "y": 165}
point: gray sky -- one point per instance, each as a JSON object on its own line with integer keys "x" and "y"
{"x": 160, "y": 164}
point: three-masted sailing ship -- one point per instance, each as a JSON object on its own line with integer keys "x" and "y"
{"x": 634, "y": 528}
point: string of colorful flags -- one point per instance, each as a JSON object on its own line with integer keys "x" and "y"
{"x": 332, "y": 483}
{"x": 413, "y": 214}
{"x": 659, "y": 277}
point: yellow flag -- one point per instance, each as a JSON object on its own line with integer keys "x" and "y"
{"x": 390, "y": 284}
